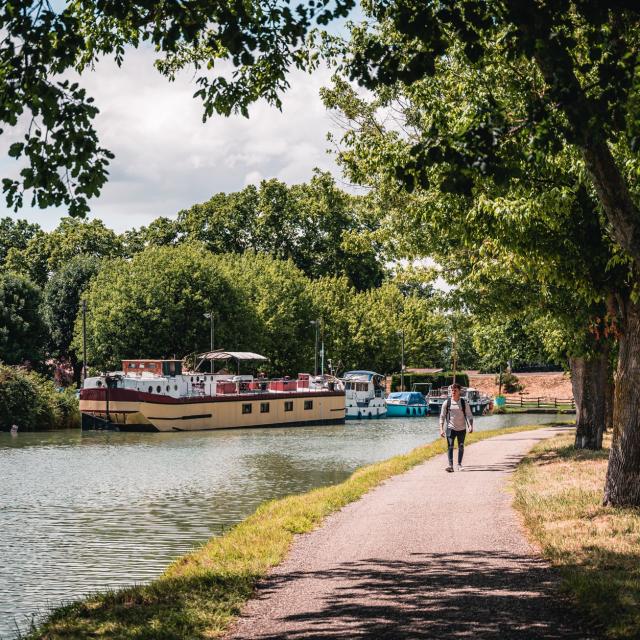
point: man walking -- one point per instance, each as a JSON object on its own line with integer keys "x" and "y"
{"x": 456, "y": 417}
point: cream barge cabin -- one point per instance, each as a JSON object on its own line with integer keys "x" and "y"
{"x": 156, "y": 395}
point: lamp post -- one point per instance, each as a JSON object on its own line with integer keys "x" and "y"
{"x": 401, "y": 334}
{"x": 84, "y": 341}
{"x": 316, "y": 324}
{"x": 321, "y": 348}
{"x": 454, "y": 356}
{"x": 212, "y": 327}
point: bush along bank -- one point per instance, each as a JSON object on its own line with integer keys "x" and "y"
{"x": 33, "y": 403}
{"x": 558, "y": 490}
{"x": 199, "y": 595}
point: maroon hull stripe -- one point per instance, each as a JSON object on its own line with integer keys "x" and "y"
{"x": 130, "y": 395}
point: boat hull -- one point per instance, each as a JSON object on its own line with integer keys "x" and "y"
{"x": 407, "y": 411}
{"x": 362, "y": 411}
{"x": 130, "y": 410}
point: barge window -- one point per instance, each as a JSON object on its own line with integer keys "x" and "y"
{"x": 288, "y": 405}
{"x": 264, "y": 407}
{"x": 308, "y": 404}
{"x": 150, "y": 389}
{"x": 246, "y": 408}
{"x": 158, "y": 388}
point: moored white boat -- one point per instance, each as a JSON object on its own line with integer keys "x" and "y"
{"x": 478, "y": 402}
{"x": 364, "y": 394}
{"x": 156, "y": 395}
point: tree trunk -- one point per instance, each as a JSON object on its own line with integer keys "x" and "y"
{"x": 588, "y": 380}
{"x": 609, "y": 402}
{"x": 622, "y": 486}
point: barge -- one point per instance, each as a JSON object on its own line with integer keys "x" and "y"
{"x": 156, "y": 395}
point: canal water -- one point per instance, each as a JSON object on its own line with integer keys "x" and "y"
{"x": 80, "y": 512}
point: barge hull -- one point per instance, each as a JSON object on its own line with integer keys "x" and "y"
{"x": 125, "y": 410}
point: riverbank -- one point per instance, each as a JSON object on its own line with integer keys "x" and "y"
{"x": 544, "y": 384}
{"x": 200, "y": 594}
{"x": 558, "y": 491}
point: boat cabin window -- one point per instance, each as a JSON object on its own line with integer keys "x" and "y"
{"x": 150, "y": 389}
{"x": 308, "y": 404}
{"x": 362, "y": 386}
{"x": 288, "y": 405}
{"x": 246, "y": 408}
{"x": 172, "y": 368}
{"x": 264, "y": 407}
{"x": 349, "y": 386}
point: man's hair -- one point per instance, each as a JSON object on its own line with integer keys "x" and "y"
{"x": 455, "y": 385}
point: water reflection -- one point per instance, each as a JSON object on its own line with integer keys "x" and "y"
{"x": 80, "y": 512}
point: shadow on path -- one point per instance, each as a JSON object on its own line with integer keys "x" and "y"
{"x": 480, "y": 594}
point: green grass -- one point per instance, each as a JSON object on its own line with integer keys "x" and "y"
{"x": 199, "y": 595}
{"x": 558, "y": 490}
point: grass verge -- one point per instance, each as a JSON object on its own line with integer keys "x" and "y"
{"x": 199, "y": 594}
{"x": 558, "y": 491}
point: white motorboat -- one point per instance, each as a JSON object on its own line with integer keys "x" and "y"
{"x": 364, "y": 395}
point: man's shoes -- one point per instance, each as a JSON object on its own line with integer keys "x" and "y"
{"x": 450, "y": 469}
{"x": 459, "y": 467}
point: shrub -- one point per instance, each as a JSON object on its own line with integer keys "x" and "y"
{"x": 33, "y": 403}
{"x": 510, "y": 382}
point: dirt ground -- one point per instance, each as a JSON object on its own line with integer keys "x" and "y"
{"x": 547, "y": 385}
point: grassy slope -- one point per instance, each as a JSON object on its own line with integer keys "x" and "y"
{"x": 199, "y": 594}
{"x": 559, "y": 493}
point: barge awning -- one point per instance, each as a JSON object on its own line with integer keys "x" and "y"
{"x": 232, "y": 355}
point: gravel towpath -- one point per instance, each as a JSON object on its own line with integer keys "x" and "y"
{"x": 427, "y": 554}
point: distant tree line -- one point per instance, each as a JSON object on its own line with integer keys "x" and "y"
{"x": 267, "y": 261}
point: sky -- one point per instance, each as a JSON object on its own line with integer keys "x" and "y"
{"x": 167, "y": 159}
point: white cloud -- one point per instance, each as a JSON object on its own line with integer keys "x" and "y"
{"x": 168, "y": 159}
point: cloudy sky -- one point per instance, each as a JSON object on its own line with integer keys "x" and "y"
{"x": 167, "y": 159}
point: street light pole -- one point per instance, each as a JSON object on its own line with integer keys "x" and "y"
{"x": 84, "y": 341}
{"x": 401, "y": 334}
{"x": 321, "y": 349}
{"x": 212, "y": 331}
{"x": 315, "y": 323}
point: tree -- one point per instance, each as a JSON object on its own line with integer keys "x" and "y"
{"x": 448, "y": 106}
{"x": 279, "y": 302}
{"x": 154, "y": 304}
{"x": 581, "y": 92}
{"x": 161, "y": 232}
{"x": 323, "y": 230}
{"x": 258, "y": 42}
{"x": 15, "y": 234}
{"x": 527, "y": 246}
{"x": 22, "y": 331}
{"x": 48, "y": 252}
{"x": 61, "y": 305}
